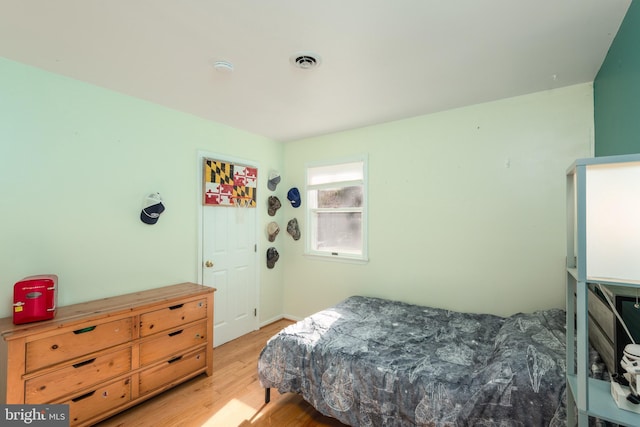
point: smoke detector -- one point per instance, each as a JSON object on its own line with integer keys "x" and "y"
{"x": 223, "y": 66}
{"x": 305, "y": 60}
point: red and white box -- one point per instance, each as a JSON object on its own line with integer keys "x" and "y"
{"x": 34, "y": 298}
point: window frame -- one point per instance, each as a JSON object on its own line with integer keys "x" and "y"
{"x": 310, "y": 211}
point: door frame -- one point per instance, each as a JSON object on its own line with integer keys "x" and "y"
{"x": 201, "y": 155}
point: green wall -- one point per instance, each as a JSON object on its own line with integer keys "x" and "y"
{"x": 466, "y": 207}
{"x": 76, "y": 162}
{"x": 617, "y": 91}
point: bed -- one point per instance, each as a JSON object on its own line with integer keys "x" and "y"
{"x": 374, "y": 362}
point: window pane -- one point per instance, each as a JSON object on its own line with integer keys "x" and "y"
{"x": 344, "y": 197}
{"x": 339, "y": 231}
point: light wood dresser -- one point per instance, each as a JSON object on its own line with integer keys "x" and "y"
{"x": 103, "y": 356}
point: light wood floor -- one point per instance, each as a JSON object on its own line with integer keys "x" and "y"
{"x": 231, "y": 397}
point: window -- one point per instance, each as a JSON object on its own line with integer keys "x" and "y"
{"x": 336, "y": 209}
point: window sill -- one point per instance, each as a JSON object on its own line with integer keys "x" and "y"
{"x": 336, "y": 258}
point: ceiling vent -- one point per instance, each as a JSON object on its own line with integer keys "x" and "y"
{"x": 305, "y": 60}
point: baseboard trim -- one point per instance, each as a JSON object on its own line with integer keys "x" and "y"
{"x": 276, "y": 318}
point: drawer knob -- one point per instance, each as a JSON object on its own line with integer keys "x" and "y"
{"x": 175, "y": 359}
{"x": 84, "y": 396}
{"x": 86, "y": 362}
{"x": 83, "y": 330}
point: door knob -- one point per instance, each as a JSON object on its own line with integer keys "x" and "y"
{"x": 208, "y": 264}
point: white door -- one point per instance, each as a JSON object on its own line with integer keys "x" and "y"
{"x": 229, "y": 264}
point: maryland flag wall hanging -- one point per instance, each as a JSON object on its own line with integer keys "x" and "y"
{"x": 226, "y": 184}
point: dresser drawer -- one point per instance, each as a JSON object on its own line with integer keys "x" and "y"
{"x": 87, "y": 405}
{"x": 172, "y": 316}
{"x": 48, "y": 387}
{"x": 171, "y": 342}
{"x": 69, "y": 345}
{"x": 171, "y": 370}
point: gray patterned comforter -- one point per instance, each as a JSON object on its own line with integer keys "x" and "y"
{"x": 374, "y": 362}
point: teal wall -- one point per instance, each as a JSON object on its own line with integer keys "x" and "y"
{"x": 617, "y": 91}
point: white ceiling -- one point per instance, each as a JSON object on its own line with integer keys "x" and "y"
{"x": 381, "y": 60}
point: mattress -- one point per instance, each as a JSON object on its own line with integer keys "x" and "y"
{"x": 374, "y": 362}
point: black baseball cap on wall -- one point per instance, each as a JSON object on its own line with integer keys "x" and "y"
{"x": 152, "y": 207}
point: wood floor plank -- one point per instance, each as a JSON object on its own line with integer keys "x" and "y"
{"x": 231, "y": 397}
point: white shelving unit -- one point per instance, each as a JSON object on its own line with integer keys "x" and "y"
{"x": 603, "y": 246}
